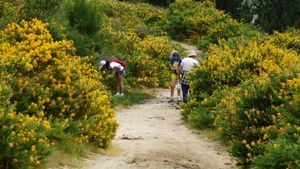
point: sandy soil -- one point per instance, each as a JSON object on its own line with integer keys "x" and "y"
{"x": 152, "y": 136}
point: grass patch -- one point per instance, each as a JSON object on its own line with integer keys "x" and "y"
{"x": 68, "y": 153}
{"x": 130, "y": 98}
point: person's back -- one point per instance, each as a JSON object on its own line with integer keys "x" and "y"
{"x": 113, "y": 65}
{"x": 188, "y": 63}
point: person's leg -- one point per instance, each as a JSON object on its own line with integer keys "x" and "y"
{"x": 117, "y": 78}
{"x": 178, "y": 88}
{"x": 173, "y": 84}
{"x": 121, "y": 80}
{"x": 178, "y": 94}
{"x": 185, "y": 90}
{"x": 121, "y": 85}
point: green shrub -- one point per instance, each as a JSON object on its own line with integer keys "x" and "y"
{"x": 42, "y": 10}
{"x": 280, "y": 153}
{"x": 202, "y": 23}
{"x": 9, "y": 12}
{"x": 85, "y": 16}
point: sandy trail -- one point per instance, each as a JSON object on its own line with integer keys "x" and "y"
{"x": 152, "y": 136}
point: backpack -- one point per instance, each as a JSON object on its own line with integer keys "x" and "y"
{"x": 121, "y": 62}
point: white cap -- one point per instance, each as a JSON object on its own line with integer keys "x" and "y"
{"x": 102, "y": 63}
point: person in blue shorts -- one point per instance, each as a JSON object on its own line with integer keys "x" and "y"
{"x": 120, "y": 74}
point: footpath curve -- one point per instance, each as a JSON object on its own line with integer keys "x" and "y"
{"x": 152, "y": 136}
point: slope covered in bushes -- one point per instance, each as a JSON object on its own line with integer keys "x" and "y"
{"x": 47, "y": 92}
{"x": 246, "y": 88}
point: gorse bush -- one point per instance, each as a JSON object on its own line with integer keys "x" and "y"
{"x": 289, "y": 39}
{"x": 49, "y": 83}
{"x": 251, "y": 90}
{"x": 202, "y": 23}
{"x": 135, "y": 33}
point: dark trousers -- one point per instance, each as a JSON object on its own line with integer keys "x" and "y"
{"x": 185, "y": 92}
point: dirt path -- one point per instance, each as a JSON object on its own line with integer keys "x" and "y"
{"x": 152, "y": 136}
{"x": 189, "y": 48}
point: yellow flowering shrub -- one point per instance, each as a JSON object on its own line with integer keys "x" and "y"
{"x": 133, "y": 30}
{"x": 141, "y": 18}
{"x": 150, "y": 64}
{"x": 23, "y": 138}
{"x": 251, "y": 92}
{"x": 48, "y": 80}
{"x": 289, "y": 39}
{"x": 203, "y": 24}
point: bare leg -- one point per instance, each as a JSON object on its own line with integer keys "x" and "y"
{"x": 117, "y": 84}
{"x": 179, "y": 88}
{"x": 173, "y": 84}
{"x": 121, "y": 87}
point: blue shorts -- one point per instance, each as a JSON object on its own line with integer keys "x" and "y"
{"x": 122, "y": 72}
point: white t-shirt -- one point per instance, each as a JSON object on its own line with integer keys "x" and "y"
{"x": 188, "y": 63}
{"x": 113, "y": 65}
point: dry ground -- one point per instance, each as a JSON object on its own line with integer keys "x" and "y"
{"x": 152, "y": 136}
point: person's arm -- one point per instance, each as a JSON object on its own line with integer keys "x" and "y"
{"x": 118, "y": 71}
{"x": 181, "y": 66}
{"x": 171, "y": 64}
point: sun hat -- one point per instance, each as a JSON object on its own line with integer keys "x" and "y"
{"x": 102, "y": 63}
{"x": 192, "y": 53}
{"x": 174, "y": 53}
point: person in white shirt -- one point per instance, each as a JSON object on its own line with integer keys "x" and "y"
{"x": 120, "y": 74}
{"x": 187, "y": 64}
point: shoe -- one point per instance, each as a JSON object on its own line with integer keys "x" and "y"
{"x": 122, "y": 94}
{"x": 178, "y": 99}
{"x": 117, "y": 94}
{"x": 170, "y": 100}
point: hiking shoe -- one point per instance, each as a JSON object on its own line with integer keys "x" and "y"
{"x": 122, "y": 94}
{"x": 170, "y": 100}
{"x": 178, "y": 99}
{"x": 117, "y": 94}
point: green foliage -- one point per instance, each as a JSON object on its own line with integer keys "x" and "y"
{"x": 278, "y": 15}
{"x": 251, "y": 90}
{"x": 85, "y": 19}
{"x": 84, "y": 16}
{"x": 9, "y": 12}
{"x": 280, "y": 154}
{"x": 272, "y": 14}
{"x": 42, "y": 10}
{"x": 204, "y": 24}
{"x": 131, "y": 97}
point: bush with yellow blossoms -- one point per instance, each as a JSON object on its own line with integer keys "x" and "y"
{"x": 203, "y": 24}
{"x": 245, "y": 92}
{"x": 23, "y": 138}
{"x": 135, "y": 31}
{"x": 50, "y": 84}
{"x": 290, "y": 39}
